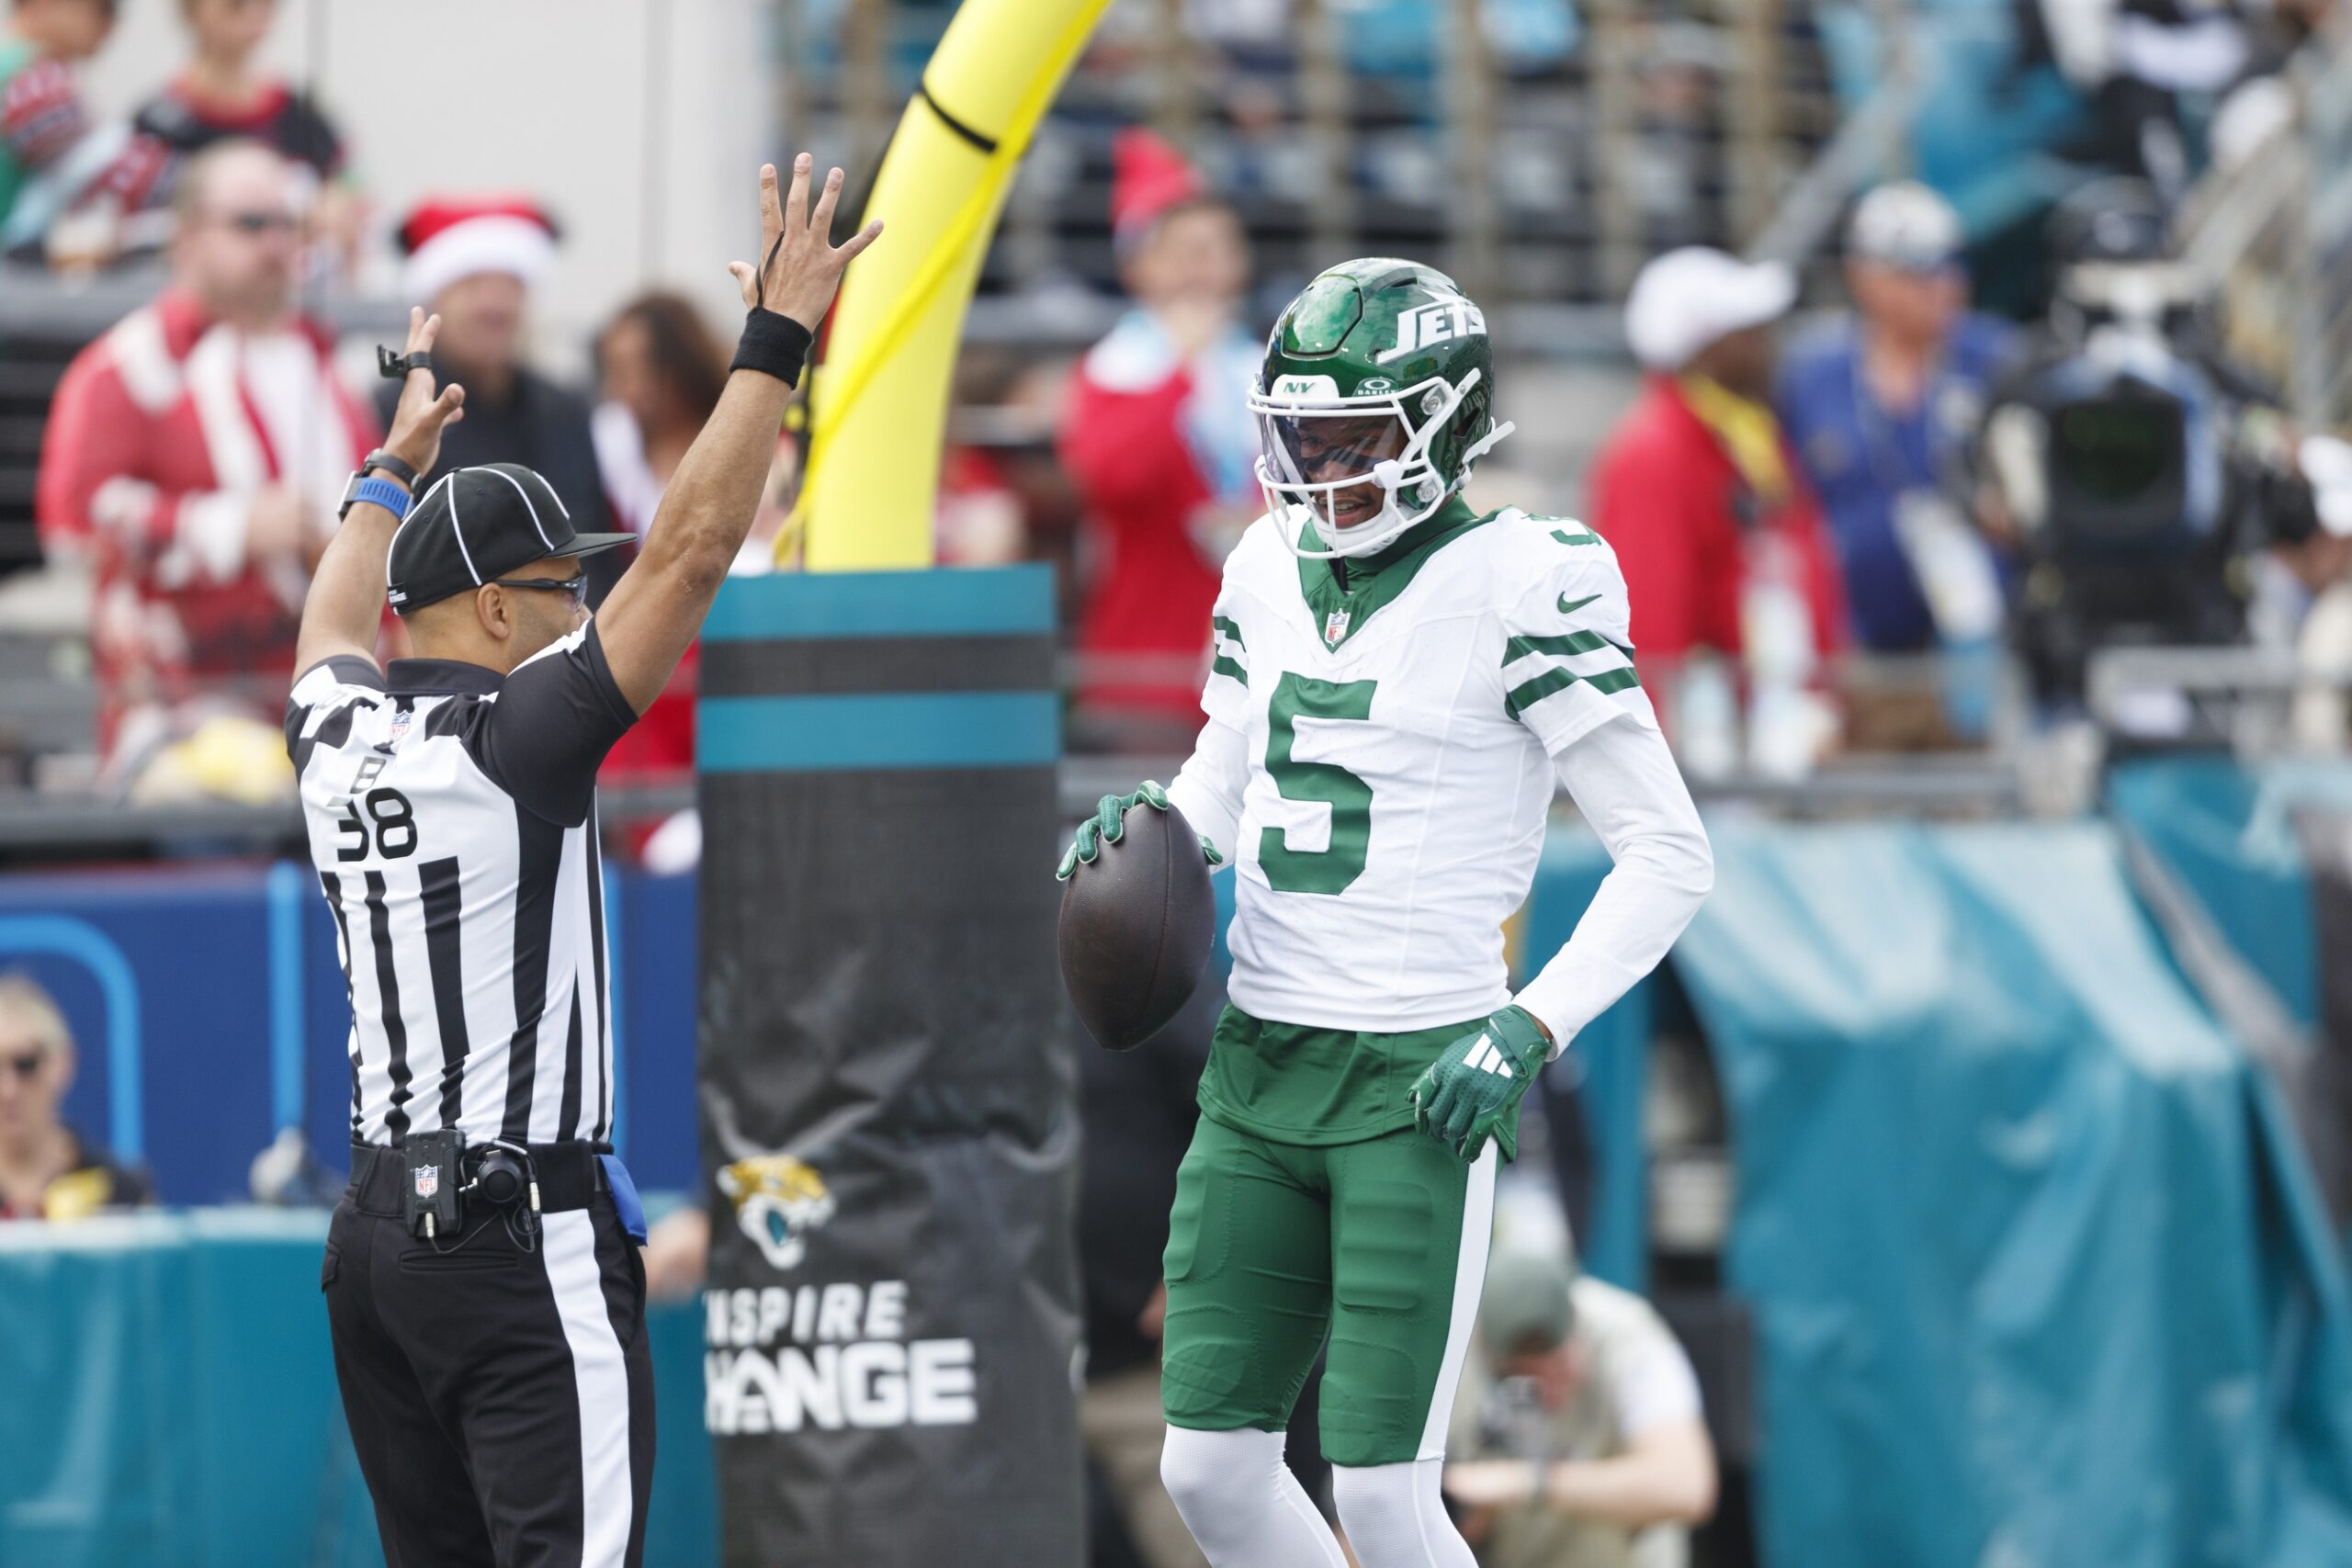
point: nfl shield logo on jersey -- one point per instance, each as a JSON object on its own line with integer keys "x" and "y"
{"x": 1335, "y": 626}
{"x": 401, "y": 721}
{"x": 428, "y": 1180}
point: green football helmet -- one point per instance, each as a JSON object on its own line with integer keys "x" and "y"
{"x": 1377, "y": 396}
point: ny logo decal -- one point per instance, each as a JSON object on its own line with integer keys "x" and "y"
{"x": 1425, "y": 326}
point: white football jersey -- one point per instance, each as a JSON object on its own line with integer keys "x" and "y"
{"x": 1400, "y": 740}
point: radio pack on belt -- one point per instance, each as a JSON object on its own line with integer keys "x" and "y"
{"x": 434, "y": 1182}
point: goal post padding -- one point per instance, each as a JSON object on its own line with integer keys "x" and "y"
{"x": 890, "y": 1130}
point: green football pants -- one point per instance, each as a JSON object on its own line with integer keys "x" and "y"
{"x": 1381, "y": 1245}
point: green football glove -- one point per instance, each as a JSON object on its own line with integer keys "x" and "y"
{"x": 1472, "y": 1093}
{"x": 1110, "y": 821}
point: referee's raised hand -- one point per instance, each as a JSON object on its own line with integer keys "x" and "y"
{"x": 423, "y": 413}
{"x": 345, "y": 608}
{"x": 652, "y": 613}
{"x": 801, "y": 267}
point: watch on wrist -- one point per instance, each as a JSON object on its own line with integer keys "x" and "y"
{"x": 383, "y": 493}
{"x": 396, "y": 466}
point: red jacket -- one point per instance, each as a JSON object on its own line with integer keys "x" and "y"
{"x": 1689, "y": 531}
{"x": 1130, "y": 440}
{"x": 160, "y": 435}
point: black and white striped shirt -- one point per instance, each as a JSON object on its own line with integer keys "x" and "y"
{"x": 451, "y": 815}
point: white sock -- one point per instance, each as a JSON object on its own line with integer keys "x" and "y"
{"x": 1243, "y": 1504}
{"x": 1395, "y": 1517}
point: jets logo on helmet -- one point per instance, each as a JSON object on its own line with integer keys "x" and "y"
{"x": 1430, "y": 324}
{"x": 1376, "y": 399}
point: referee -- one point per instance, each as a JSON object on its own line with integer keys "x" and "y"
{"x": 481, "y": 1277}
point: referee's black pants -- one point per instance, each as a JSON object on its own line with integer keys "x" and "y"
{"x": 500, "y": 1396}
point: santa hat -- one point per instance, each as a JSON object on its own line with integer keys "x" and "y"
{"x": 1148, "y": 179}
{"x": 448, "y": 238}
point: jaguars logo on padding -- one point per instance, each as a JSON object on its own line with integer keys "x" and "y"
{"x": 778, "y": 1200}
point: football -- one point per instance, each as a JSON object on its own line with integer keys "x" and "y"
{"x": 1136, "y": 927}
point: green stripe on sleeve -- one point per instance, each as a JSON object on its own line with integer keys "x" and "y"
{"x": 1587, "y": 537}
{"x": 1523, "y": 697}
{"x": 1222, "y": 664}
{"x": 1573, "y": 642}
{"x": 1528, "y": 693}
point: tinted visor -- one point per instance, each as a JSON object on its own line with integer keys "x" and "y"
{"x": 1332, "y": 447}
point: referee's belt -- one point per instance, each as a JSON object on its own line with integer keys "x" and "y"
{"x": 570, "y": 1176}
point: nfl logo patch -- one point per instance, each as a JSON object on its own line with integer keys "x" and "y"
{"x": 399, "y": 726}
{"x": 1335, "y": 626}
{"x": 428, "y": 1180}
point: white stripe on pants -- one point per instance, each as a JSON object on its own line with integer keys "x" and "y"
{"x": 568, "y": 1246}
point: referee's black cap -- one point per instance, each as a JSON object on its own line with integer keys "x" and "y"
{"x": 478, "y": 523}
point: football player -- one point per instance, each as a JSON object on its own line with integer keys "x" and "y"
{"x": 1396, "y": 683}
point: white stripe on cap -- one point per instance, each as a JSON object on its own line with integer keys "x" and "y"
{"x": 525, "y": 494}
{"x": 415, "y": 506}
{"x": 457, "y": 531}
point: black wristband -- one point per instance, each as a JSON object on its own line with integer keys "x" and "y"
{"x": 772, "y": 345}
{"x": 396, "y": 466}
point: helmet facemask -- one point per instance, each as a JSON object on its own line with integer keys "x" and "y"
{"x": 1357, "y": 471}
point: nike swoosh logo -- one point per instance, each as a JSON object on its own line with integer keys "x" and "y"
{"x": 1566, "y": 605}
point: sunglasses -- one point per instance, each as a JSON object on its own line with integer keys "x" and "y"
{"x": 259, "y": 223}
{"x": 26, "y": 1065}
{"x": 572, "y": 588}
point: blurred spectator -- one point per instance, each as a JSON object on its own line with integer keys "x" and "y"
{"x": 661, "y": 372}
{"x": 48, "y": 1172}
{"x": 473, "y": 259}
{"x": 981, "y": 518}
{"x": 2140, "y": 63}
{"x": 195, "y": 456}
{"x": 1577, "y": 1438}
{"x": 1720, "y": 539}
{"x": 1156, "y": 435}
{"x": 42, "y": 121}
{"x": 221, "y": 93}
{"x": 1881, "y": 408}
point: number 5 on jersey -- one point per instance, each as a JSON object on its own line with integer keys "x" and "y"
{"x": 1335, "y": 867}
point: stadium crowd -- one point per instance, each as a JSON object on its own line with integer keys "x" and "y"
{"x": 1788, "y": 492}
{"x": 1828, "y": 506}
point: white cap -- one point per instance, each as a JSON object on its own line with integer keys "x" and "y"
{"x": 1905, "y": 225}
{"x": 2326, "y": 463}
{"x": 1686, "y": 299}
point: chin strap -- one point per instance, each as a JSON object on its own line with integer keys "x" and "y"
{"x": 1486, "y": 443}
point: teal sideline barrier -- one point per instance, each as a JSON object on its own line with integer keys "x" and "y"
{"x": 2227, "y": 835}
{"x": 2038, "y": 1272}
{"x": 171, "y": 1403}
{"x": 1613, "y": 1052}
